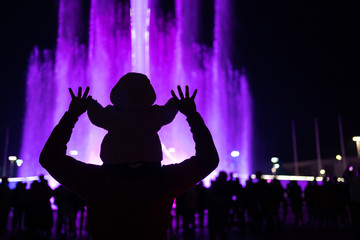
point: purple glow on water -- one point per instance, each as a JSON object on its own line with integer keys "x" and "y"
{"x": 165, "y": 50}
{"x": 140, "y": 21}
{"x": 40, "y": 73}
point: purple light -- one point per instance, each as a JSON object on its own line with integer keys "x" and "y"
{"x": 140, "y": 21}
{"x": 166, "y": 52}
{"x": 235, "y": 153}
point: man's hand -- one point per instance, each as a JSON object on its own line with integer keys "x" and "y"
{"x": 186, "y": 104}
{"x": 79, "y": 103}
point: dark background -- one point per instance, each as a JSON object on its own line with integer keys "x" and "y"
{"x": 299, "y": 57}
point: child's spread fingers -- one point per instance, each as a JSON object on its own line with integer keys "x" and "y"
{"x": 86, "y": 93}
{"x": 187, "y": 91}
{"x": 180, "y": 92}
{"x": 194, "y": 94}
{"x": 174, "y": 95}
{"x": 79, "y": 92}
{"x": 71, "y": 93}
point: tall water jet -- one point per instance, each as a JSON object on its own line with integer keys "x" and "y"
{"x": 139, "y": 36}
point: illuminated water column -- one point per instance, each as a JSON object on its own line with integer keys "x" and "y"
{"x": 167, "y": 50}
{"x": 232, "y": 109}
{"x": 140, "y": 21}
{"x": 39, "y": 114}
{"x": 70, "y": 68}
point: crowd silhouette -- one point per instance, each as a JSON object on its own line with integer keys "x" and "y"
{"x": 29, "y": 214}
{"x": 263, "y": 205}
{"x": 259, "y": 205}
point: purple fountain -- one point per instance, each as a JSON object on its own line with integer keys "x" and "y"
{"x": 124, "y": 38}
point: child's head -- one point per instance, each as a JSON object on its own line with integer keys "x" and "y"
{"x": 133, "y": 92}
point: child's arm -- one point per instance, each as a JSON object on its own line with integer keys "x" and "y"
{"x": 171, "y": 108}
{"x": 166, "y": 114}
{"x": 98, "y": 115}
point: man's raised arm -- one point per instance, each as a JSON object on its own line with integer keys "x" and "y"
{"x": 206, "y": 159}
{"x": 53, "y": 158}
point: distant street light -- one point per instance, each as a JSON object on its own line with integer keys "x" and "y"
{"x": 339, "y": 157}
{"x": 19, "y": 162}
{"x": 275, "y": 163}
{"x": 235, "y": 153}
{"x": 74, "y": 152}
{"x": 357, "y": 140}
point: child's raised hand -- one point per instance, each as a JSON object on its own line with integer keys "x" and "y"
{"x": 186, "y": 104}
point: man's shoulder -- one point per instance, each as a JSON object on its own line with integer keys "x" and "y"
{"x": 177, "y": 166}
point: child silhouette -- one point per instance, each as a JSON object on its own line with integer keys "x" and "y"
{"x": 132, "y": 121}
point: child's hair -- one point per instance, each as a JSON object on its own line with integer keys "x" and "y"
{"x": 133, "y": 92}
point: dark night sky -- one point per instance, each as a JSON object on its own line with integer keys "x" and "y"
{"x": 298, "y": 55}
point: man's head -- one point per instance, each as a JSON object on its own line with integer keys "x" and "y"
{"x": 42, "y": 178}
{"x": 222, "y": 176}
{"x": 133, "y": 92}
{"x": 4, "y": 181}
{"x": 258, "y": 175}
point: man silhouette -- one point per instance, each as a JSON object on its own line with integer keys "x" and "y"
{"x": 126, "y": 202}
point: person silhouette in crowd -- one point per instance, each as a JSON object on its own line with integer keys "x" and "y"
{"x": 131, "y": 121}
{"x": 189, "y": 199}
{"x": 126, "y": 201}
{"x": 219, "y": 206}
{"x": 45, "y": 211}
{"x": 38, "y": 215}
{"x": 179, "y": 211}
{"x": 341, "y": 205}
{"x": 236, "y": 211}
{"x": 264, "y": 197}
{"x": 60, "y": 202}
{"x": 32, "y": 218}
{"x": 278, "y": 193}
{"x": 309, "y": 197}
{"x": 201, "y": 204}
{"x": 325, "y": 199}
{"x": 68, "y": 203}
{"x": 295, "y": 196}
{"x": 5, "y": 201}
{"x": 250, "y": 202}
{"x": 316, "y": 202}
{"x": 352, "y": 177}
{"x": 18, "y": 202}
